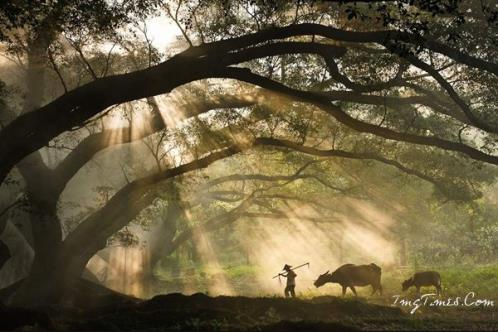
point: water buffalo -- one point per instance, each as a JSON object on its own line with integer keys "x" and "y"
{"x": 350, "y": 275}
{"x": 427, "y": 278}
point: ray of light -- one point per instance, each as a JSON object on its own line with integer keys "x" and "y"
{"x": 296, "y": 240}
{"x": 219, "y": 284}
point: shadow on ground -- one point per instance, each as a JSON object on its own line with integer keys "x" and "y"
{"x": 199, "y": 312}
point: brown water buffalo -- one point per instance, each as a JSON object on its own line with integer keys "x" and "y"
{"x": 350, "y": 275}
{"x": 427, "y": 278}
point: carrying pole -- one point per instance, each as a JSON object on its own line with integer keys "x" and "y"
{"x": 294, "y": 268}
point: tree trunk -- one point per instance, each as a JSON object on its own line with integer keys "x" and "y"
{"x": 161, "y": 242}
{"x": 40, "y": 287}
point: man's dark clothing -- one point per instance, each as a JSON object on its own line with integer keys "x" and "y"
{"x": 291, "y": 284}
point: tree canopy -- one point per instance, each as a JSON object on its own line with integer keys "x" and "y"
{"x": 314, "y": 102}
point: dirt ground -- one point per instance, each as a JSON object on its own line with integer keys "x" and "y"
{"x": 199, "y": 312}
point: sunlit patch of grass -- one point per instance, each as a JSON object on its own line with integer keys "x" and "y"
{"x": 458, "y": 281}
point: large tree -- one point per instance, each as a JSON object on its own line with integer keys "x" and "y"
{"x": 401, "y": 75}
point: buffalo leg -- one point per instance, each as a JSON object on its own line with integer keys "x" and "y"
{"x": 354, "y": 290}
{"x": 439, "y": 290}
{"x": 376, "y": 288}
{"x": 344, "y": 290}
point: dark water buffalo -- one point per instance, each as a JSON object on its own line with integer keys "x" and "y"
{"x": 427, "y": 278}
{"x": 350, "y": 275}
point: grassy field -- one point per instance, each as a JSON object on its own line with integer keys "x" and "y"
{"x": 270, "y": 312}
{"x": 457, "y": 281}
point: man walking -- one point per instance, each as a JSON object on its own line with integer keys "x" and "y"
{"x": 291, "y": 281}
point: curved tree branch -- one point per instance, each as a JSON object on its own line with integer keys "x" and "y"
{"x": 32, "y": 131}
{"x": 95, "y": 143}
{"x": 324, "y": 103}
{"x": 350, "y": 155}
{"x": 341, "y": 78}
{"x": 452, "y": 93}
{"x": 127, "y": 203}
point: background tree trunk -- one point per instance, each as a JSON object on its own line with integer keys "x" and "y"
{"x": 39, "y": 287}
